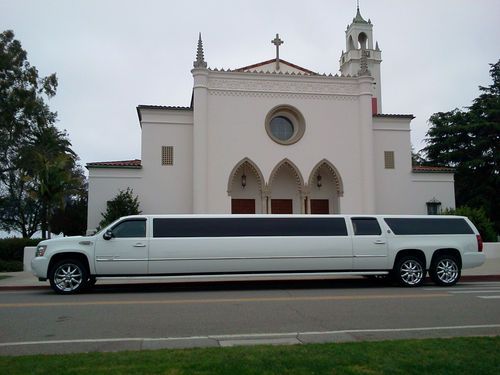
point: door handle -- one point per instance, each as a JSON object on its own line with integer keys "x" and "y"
{"x": 379, "y": 242}
{"x": 139, "y": 245}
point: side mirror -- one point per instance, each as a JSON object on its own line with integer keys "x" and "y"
{"x": 108, "y": 235}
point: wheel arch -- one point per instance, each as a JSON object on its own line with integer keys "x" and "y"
{"x": 447, "y": 251}
{"x": 410, "y": 252}
{"x": 69, "y": 255}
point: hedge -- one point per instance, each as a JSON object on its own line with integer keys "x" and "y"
{"x": 12, "y": 252}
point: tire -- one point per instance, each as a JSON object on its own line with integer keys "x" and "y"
{"x": 445, "y": 270}
{"x": 91, "y": 281}
{"x": 409, "y": 271}
{"x": 69, "y": 276}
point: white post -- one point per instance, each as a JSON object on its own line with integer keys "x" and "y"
{"x": 200, "y": 140}
{"x": 366, "y": 144}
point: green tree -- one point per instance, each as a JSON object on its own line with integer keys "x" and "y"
{"x": 37, "y": 165}
{"x": 22, "y": 100}
{"x": 18, "y": 210}
{"x": 123, "y": 204}
{"x": 70, "y": 220}
{"x": 50, "y": 163}
{"x": 22, "y": 110}
{"x": 469, "y": 141}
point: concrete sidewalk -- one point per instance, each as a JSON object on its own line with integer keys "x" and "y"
{"x": 489, "y": 271}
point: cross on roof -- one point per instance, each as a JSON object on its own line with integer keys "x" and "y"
{"x": 277, "y": 42}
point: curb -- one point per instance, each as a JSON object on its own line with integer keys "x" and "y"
{"x": 485, "y": 278}
{"x": 480, "y": 278}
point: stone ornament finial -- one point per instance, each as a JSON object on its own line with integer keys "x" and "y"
{"x": 200, "y": 59}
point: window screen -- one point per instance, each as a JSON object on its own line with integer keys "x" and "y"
{"x": 167, "y": 155}
{"x": 366, "y": 226}
{"x": 429, "y": 226}
{"x": 389, "y": 159}
{"x": 248, "y": 227}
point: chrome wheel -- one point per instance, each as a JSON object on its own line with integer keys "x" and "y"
{"x": 447, "y": 271}
{"x": 411, "y": 272}
{"x": 68, "y": 277}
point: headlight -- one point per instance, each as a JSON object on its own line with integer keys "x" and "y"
{"x": 40, "y": 250}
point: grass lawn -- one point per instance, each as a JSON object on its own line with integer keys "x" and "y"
{"x": 471, "y": 356}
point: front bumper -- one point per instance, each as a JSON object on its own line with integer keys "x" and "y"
{"x": 39, "y": 267}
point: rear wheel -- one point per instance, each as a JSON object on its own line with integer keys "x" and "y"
{"x": 410, "y": 271}
{"x": 445, "y": 270}
{"x": 68, "y": 277}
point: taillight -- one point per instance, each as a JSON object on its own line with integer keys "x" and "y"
{"x": 479, "y": 243}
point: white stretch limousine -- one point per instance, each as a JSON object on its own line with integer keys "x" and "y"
{"x": 239, "y": 246}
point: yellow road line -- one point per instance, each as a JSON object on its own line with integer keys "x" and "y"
{"x": 224, "y": 300}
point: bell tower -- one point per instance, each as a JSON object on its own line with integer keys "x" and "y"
{"x": 359, "y": 44}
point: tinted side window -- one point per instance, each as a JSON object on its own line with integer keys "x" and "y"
{"x": 366, "y": 226}
{"x": 429, "y": 226}
{"x": 248, "y": 227}
{"x": 130, "y": 228}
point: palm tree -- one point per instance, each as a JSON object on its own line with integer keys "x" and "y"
{"x": 49, "y": 162}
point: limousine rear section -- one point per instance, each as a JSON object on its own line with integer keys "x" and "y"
{"x": 405, "y": 248}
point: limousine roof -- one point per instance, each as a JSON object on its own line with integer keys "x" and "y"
{"x": 235, "y": 216}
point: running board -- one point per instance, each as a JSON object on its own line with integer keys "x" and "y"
{"x": 245, "y": 275}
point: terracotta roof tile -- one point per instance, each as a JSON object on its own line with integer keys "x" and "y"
{"x": 393, "y": 115}
{"x": 170, "y": 107}
{"x": 429, "y": 169}
{"x": 136, "y": 164}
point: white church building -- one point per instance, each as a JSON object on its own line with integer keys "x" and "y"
{"x": 274, "y": 137}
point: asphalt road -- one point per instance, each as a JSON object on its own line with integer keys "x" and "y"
{"x": 150, "y": 316}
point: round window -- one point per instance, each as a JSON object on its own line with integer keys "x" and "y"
{"x": 282, "y": 128}
{"x": 285, "y": 125}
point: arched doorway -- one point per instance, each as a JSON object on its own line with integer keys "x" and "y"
{"x": 325, "y": 189}
{"x": 245, "y": 187}
{"x": 285, "y": 189}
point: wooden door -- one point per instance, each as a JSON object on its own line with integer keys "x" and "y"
{"x": 242, "y": 206}
{"x": 320, "y": 206}
{"x": 282, "y": 206}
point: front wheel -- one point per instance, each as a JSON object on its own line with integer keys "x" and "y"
{"x": 409, "y": 271}
{"x": 445, "y": 270}
{"x": 68, "y": 277}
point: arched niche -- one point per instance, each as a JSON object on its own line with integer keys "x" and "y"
{"x": 325, "y": 188}
{"x": 286, "y": 185}
{"x": 245, "y": 186}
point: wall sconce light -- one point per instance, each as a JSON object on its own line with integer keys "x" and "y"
{"x": 243, "y": 180}
{"x": 318, "y": 181}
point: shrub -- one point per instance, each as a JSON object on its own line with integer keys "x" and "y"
{"x": 123, "y": 204}
{"x": 12, "y": 252}
{"x": 11, "y": 266}
{"x": 478, "y": 218}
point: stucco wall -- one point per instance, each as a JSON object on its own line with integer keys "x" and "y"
{"x": 167, "y": 188}
{"x": 160, "y": 188}
{"x": 429, "y": 186}
{"x": 236, "y": 129}
{"x": 399, "y": 190}
{"x": 104, "y": 185}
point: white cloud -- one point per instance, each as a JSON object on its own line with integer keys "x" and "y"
{"x": 111, "y": 56}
